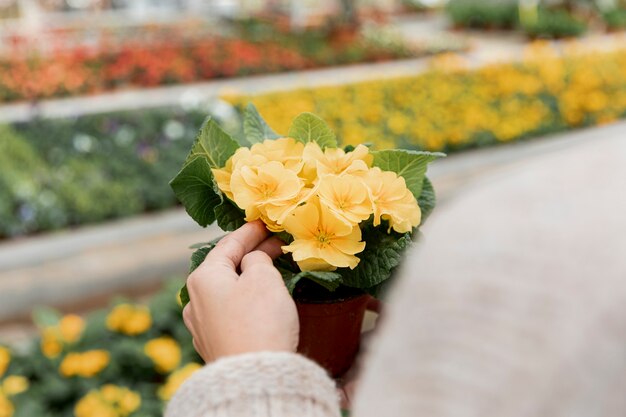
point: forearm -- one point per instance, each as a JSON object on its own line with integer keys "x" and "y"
{"x": 262, "y": 384}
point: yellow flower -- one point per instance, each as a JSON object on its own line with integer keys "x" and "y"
{"x": 6, "y": 407}
{"x": 71, "y": 328}
{"x": 334, "y": 161}
{"x": 85, "y": 364}
{"x": 51, "y": 345}
{"x": 175, "y": 380}
{"x": 164, "y": 352}
{"x": 242, "y": 157}
{"x": 287, "y": 151}
{"x": 129, "y": 319}
{"x": 108, "y": 401}
{"x": 5, "y": 359}
{"x": 14, "y": 385}
{"x": 268, "y": 185}
{"x": 347, "y": 197}
{"x": 322, "y": 241}
{"x": 393, "y": 201}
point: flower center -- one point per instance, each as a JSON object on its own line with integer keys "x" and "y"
{"x": 267, "y": 191}
{"x": 323, "y": 239}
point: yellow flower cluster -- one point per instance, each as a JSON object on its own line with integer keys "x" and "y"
{"x": 5, "y": 359}
{"x": 10, "y": 385}
{"x": 451, "y": 107}
{"x": 85, "y": 364}
{"x": 108, "y": 401}
{"x": 176, "y": 379}
{"x": 318, "y": 196}
{"x": 6, "y": 406}
{"x": 69, "y": 330}
{"x": 164, "y": 352}
{"x": 129, "y": 319}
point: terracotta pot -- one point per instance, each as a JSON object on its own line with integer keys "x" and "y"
{"x": 330, "y": 332}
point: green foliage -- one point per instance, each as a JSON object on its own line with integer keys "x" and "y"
{"x": 483, "y": 13}
{"x": 329, "y": 280}
{"x": 255, "y": 128}
{"x": 194, "y": 188}
{"x": 213, "y": 144}
{"x": 615, "y": 19}
{"x": 427, "y": 199}
{"x": 63, "y": 172}
{"x": 411, "y": 165}
{"x": 308, "y": 127}
{"x": 555, "y": 24}
{"x": 382, "y": 254}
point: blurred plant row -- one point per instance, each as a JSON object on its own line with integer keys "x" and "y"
{"x": 452, "y": 107}
{"x": 126, "y": 361}
{"x": 58, "y": 173}
{"x": 539, "y": 19}
{"x": 27, "y": 73}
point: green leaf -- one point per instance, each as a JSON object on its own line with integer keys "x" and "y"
{"x": 427, "y": 199}
{"x": 383, "y": 253}
{"x": 184, "y": 296}
{"x": 307, "y": 127}
{"x": 255, "y": 128}
{"x": 196, "y": 260}
{"x": 213, "y": 144}
{"x": 45, "y": 317}
{"x": 411, "y": 165}
{"x": 193, "y": 186}
{"x": 229, "y": 216}
{"x": 328, "y": 280}
{"x": 198, "y": 257}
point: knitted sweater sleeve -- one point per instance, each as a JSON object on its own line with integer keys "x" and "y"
{"x": 261, "y": 384}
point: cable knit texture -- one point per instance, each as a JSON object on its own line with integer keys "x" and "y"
{"x": 262, "y": 384}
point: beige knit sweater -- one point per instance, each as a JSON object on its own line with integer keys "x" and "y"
{"x": 514, "y": 305}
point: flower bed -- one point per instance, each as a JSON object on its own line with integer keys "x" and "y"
{"x": 57, "y": 173}
{"x": 451, "y": 108}
{"x": 124, "y": 362}
{"x": 172, "y": 58}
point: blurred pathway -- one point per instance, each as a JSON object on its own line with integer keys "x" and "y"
{"x": 80, "y": 269}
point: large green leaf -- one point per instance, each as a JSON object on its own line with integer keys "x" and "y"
{"x": 328, "y": 280}
{"x": 255, "y": 128}
{"x": 213, "y": 144}
{"x": 383, "y": 252}
{"x": 411, "y": 165}
{"x": 427, "y": 199}
{"x": 193, "y": 186}
{"x": 196, "y": 260}
{"x": 307, "y": 127}
{"x": 229, "y": 216}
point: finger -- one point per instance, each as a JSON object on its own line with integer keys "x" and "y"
{"x": 196, "y": 347}
{"x": 187, "y": 319}
{"x": 230, "y": 250}
{"x": 271, "y": 246}
{"x": 256, "y": 259}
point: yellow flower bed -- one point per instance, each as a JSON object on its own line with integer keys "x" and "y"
{"x": 451, "y": 107}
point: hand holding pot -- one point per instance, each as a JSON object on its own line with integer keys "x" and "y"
{"x": 239, "y": 303}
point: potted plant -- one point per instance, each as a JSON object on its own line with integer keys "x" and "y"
{"x": 346, "y": 215}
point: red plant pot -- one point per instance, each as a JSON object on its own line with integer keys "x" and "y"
{"x": 330, "y": 331}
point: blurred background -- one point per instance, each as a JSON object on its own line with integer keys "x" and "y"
{"x": 100, "y": 101}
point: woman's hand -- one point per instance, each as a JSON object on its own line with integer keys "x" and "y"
{"x": 239, "y": 302}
